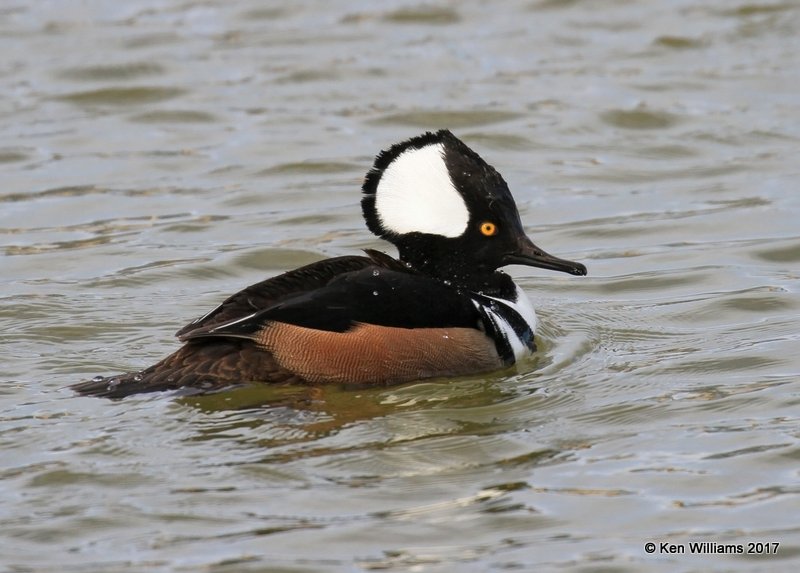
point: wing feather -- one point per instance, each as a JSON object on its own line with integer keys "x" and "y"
{"x": 274, "y": 290}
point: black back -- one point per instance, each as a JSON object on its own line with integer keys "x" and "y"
{"x": 374, "y": 295}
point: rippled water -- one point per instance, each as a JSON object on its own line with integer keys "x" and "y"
{"x": 159, "y": 155}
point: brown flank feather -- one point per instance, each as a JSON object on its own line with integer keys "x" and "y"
{"x": 370, "y": 354}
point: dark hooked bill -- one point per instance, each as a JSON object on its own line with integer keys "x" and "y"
{"x": 529, "y": 254}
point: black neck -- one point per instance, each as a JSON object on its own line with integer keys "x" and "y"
{"x": 446, "y": 261}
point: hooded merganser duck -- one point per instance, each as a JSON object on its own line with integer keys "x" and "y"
{"x": 441, "y": 309}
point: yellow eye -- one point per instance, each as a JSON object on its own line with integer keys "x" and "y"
{"x": 488, "y": 229}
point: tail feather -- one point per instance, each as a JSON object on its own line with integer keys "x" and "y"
{"x": 203, "y": 365}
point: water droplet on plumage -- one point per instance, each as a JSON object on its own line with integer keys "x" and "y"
{"x": 376, "y": 273}
{"x": 374, "y": 293}
{"x": 137, "y": 377}
{"x": 98, "y": 378}
{"x": 112, "y": 384}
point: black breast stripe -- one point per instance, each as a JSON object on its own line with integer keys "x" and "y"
{"x": 487, "y": 306}
{"x": 519, "y": 324}
{"x": 495, "y": 332}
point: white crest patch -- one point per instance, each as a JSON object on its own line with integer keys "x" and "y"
{"x": 416, "y": 193}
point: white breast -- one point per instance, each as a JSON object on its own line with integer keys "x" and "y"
{"x": 521, "y": 306}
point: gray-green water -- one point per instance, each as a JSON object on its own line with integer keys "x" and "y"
{"x": 159, "y": 155}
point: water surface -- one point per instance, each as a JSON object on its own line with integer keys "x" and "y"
{"x": 159, "y": 155}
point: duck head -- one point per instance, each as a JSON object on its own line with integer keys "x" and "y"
{"x": 449, "y": 213}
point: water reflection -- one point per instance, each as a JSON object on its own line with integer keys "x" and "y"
{"x": 279, "y": 415}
